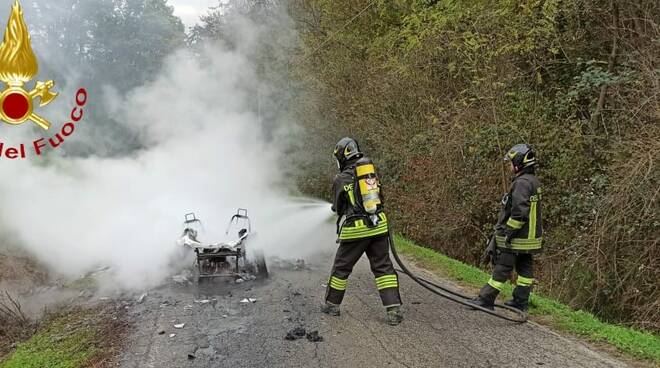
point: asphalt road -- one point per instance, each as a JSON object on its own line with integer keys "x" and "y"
{"x": 224, "y": 332}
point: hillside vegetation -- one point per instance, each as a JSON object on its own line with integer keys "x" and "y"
{"x": 436, "y": 91}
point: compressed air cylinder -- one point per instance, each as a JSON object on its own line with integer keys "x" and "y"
{"x": 368, "y": 185}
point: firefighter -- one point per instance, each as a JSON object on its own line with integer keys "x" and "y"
{"x": 362, "y": 228}
{"x": 518, "y": 233}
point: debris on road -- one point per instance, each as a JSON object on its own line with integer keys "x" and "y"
{"x": 300, "y": 332}
{"x": 314, "y": 336}
{"x": 300, "y": 265}
{"x": 141, "y": 298}
{"x": 295, "y": 334}
{"x": 181, "y": 279}
{"x": 180, "y": 325}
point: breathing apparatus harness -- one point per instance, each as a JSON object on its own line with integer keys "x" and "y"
{"x": 366, "y": 198}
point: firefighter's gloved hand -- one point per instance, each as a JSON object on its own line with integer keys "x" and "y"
{"x": 489, "y": 253}
{"x": 496, "y": 254}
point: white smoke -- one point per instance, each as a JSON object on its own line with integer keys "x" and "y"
{"x": 206, "y": 152}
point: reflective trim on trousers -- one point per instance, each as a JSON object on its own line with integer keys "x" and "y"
{"x": 496, "y": 284}
{"x": 524, "y": 281}
{"x": 338, "y": 284}
{"x": 387, "y": 281}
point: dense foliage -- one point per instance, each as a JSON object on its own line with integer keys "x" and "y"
{"x": 436, "y": 91}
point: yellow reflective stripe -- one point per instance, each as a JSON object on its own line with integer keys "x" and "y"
{"x": 520, "y": 244}
{"x": 351, "y": 197}
{"x": 382, "y": 285}
{"x": 360, "y": 230}
{"x": 496, "y": 284}
{"x": 337, "y": 283}
{"x": 349, "y": 230}
{"x": 515, "y": 224}
{"x": 360, "y": 224}
{"x": 524, "y": 281}
{"x": 386, "y": 278}
{"x": 532, "y": 221}
{"x": 387, "y": 281}
{"x": 392, "y": 284}
{"x": 338, "y": 287}
{"x": 360, "y": 235}
{"x": 338, "y": 280}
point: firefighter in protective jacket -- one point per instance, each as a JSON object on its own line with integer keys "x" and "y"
{"x": 518, "y": 233}
{"x": 362, "y": 228}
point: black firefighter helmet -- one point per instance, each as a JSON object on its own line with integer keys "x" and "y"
{"x": 521, "y": 156}
{"x": 346, "y": 150}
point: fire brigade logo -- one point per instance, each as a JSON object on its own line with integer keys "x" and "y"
{"x": 18, "y": 66}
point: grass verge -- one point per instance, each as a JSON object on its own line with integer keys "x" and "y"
{"x": 72, "y": 339}
{"x": 641, "y": 345}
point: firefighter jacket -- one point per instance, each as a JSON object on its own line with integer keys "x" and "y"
{"x": 519, "y": 227}
{"x": 356, "y": 224}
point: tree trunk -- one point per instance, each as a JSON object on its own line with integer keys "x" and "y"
{"x": 611, "y": 62}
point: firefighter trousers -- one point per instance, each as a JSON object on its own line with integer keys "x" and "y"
{"x": 505, "y": 262}
{"x": 378, "y": 253}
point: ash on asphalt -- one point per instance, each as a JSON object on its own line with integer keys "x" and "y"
{"x": 300, "y": 332}
{"x": 295, "y": 334}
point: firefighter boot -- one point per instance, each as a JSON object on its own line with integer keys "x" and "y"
{"x": 521, "y": 305}
{"x": 394, "y": 316}
{"x": 330, "y": 309}
{"x": 520, "y": 299}
{"x": 481, "y": 302}
{"x": 487, "y": 296}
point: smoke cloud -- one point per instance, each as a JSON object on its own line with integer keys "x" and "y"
{"x": 205, "y": 151}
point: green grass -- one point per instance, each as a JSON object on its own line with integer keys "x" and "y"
{"x": 636, "y": 343}
{"x": 68, "y": 341}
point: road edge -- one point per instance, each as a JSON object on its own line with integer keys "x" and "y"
{"x": 635, "y": 345}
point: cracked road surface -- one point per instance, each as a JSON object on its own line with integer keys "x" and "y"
{"x": 224, "y": 332}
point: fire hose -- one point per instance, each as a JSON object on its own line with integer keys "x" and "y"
{"x": 454, "y": 295}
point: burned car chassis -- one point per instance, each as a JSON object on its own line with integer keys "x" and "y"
{"x": 225, "y": 259}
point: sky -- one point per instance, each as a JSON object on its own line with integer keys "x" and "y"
{"x": 190, "y": 10}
